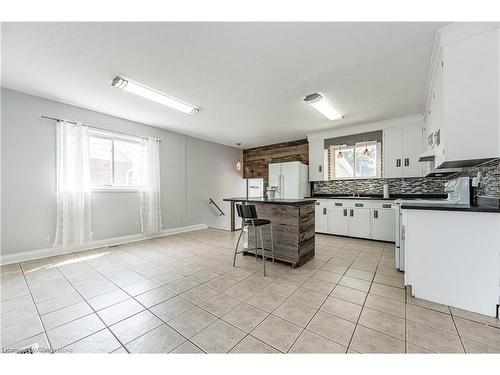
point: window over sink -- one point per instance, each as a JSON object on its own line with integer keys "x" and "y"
{"x": 360, "y": 160}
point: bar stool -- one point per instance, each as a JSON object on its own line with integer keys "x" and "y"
{"x": 248, "y": 215}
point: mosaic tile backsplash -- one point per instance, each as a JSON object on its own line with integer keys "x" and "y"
{"x": 490, "y": 184}
{"x": 490, "y": 178}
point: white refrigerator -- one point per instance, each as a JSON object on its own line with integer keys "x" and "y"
{"x": 291, "y": 179}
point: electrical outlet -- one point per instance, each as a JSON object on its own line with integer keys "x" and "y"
{"x": 46, "y": 239}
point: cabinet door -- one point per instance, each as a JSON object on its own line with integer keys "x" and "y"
{"x": 316, "y": 160}
{"x": 338, "y": 221}
{"x": 412, "y": 148}
{"x": 275, "y": 178}
{"x": 321, "y": 218}
{"x": 383, "y": 224}
{"x": 359, "y": 222}
{"x": 471, "y": 96}
{"x": 393, "y": 151}
{"x": 291, "y": 180}
{"x": 435, "y": 111}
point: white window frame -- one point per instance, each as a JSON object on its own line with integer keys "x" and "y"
{"x": 93, "y": 133}
{"x": 331, "y": 163}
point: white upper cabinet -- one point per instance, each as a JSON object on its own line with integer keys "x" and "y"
{"x": 412, "y": 148}
{"x": 464, "y": 98}
{"x": 393, "y": 153}
{"x": 316, "y": 160}
{"x": 434, "y": 116}
{"x": 402, "y": 148}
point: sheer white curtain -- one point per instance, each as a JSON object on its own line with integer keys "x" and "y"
{"x": 150, "y": 194}
{"x": 73, "y": 185}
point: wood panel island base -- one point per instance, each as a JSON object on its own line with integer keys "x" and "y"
{"x": 293, "y": 227}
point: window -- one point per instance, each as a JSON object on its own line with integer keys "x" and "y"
{"x": 363, "y": 160}
{"x": 115, "y": 162}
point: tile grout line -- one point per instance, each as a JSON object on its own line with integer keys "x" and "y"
{"x": 269, "y": 314}
{"x": 36, "y": 308}
{"x": 95, "y": 312}
{"x": 318, "y": 309}
{"x": 406, "y": 320}
{"x": 148, "y": 309}
{"x": 458, "y": 332}
{"x": 364, "y": 301}
{"x": 131, "y": 297}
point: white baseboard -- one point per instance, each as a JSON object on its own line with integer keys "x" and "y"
{"x": 53, "y": 251}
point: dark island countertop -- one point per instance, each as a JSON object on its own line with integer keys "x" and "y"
{"x": 292, "y": 202}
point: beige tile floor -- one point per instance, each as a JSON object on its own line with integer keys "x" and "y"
{"x": 180, "y": 294}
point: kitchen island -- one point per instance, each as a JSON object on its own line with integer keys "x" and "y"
{"x": 293, "y": 227}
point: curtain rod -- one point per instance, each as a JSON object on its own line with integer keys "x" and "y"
{"x": 95, "y": 127}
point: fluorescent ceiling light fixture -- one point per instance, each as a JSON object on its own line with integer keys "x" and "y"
{"x": 320, "y": 104}
{"x": 154, "y": 95}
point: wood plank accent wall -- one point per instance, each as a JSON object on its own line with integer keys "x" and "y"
{"x": 256, "y": 160}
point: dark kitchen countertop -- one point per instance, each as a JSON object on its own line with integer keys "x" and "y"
{"x": 451, "y": 208}
{"x": 485, "y": 204}
{"x": 380, "y": 196}
{"x": 292, "y": 202}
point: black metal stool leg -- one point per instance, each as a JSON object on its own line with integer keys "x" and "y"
{"x": 272, "y": 242}
{"x": 256, "y": 241}
{"x": 237, "y": 243}
{"x": 263, "y": 255}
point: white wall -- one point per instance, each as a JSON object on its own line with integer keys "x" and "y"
{"x": 192, "y": 171}
{"x": 208, "y": 175}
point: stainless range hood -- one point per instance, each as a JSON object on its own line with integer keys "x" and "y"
{"x": 433, "y": 172}
{"x": 427, "y": 156}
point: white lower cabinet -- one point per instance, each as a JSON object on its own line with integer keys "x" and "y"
{"x": 338, "y": 221}
{"x": 321, "y": 217}
{"x": 356, "y": 218}
{"x": 383, "y": 224}
{"x": 359, "y": 222}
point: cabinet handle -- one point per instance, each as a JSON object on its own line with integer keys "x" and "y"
{"x": 359, "y": 204}
{"x": 398, "y": 163}
{"x": 324, "y": 210}
{"x": 375, "y": 214}
{"x": 407, "y": 162}
{"x": 351, "y": 213}
{"x": 386, "y": 206}
{"x": 320, "y": 168}
{"x": 345, "y": 211}
{"x": 338, "y": 204}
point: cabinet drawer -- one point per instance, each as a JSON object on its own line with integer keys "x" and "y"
{"x": 383, "y": 205}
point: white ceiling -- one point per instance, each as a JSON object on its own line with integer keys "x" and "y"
{"x": 248, "y": 78}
